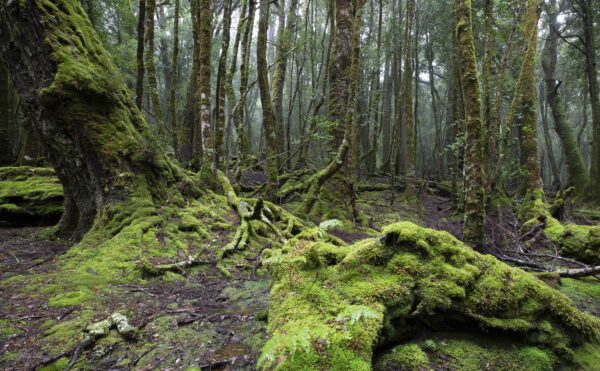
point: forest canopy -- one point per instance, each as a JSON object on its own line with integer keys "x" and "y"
{"x": 299, "y": 184}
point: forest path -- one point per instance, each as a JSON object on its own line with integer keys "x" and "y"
{"x": 202, "y": 320}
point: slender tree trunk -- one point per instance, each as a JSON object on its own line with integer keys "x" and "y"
{"x": 474, "y": 192}
{"x": 407, "y": 94}
{"x": 174, "y": 79}
{"x": 203, "y": 139}
{"x": 218, "y": 158}
{"x": 232, "y": 100}
{"x": 151, "y": 70}
{"x": 284, "y": 42}
{"x": 575, "y": 167}
{"x": 269, "y": 130}
{"x": 139, "y": 86}
{"x": 592, "y": 77}
{"x": 104, "y": 153}
{"x": 240, "y": 109}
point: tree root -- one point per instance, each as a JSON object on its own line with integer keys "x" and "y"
{"x": 179, "y": 267}
{"x": 262, "y": 211}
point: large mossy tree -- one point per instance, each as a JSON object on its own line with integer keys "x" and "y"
{"x": 77, "y": 105}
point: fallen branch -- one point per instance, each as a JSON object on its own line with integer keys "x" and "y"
{"x": 580, "y": 272}
{"x": 178, "y": 267}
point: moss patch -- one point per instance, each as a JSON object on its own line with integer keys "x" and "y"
{"x": 27, "y": 192}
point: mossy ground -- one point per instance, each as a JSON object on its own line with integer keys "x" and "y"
{"x": 331, "y": 304}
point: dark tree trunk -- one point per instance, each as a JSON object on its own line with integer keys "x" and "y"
{"x": 141, "y": 31}
{"x": 79, "y": 108}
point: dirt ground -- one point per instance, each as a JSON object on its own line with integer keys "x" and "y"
{"x": 202, "y": 320}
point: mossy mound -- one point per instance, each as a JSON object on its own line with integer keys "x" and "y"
{"x": 331, "y": 306}
{"x": 30, "y": 195}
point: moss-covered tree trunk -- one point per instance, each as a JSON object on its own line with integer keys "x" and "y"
{"x": 474, "y": 187}
{"x": 219, "y": 152}
{"x": 151, "y": 70}
{"x": 576, "y": 169}
{"x": 408, "y": 111}
{"x": 203, "y": 139}
{"x": 174, "y": 78}
{"x": 523, "y": 111}
{"x": 80, "y": 109}
{"x": 268, "y": 114}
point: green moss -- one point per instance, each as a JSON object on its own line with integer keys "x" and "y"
{"x": 408, "y": 272}
{"x": 30, "y": 191}
{"x": 404, "y": 357}
{"x": 60, "y": 364}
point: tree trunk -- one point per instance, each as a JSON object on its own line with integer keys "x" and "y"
{"x": 407, "y": 94}
{"x": 240, "y": 108}
{"x": 203, "y": 140}
{"x": 592, "y": 77}
{"x": 139, "y": 85}
{"x": 80, "y": 109}
{"x": 474, "y": 193}
{"x": 191, "y": 112}
{"x": 523, "y": 114}
{"x": 174, "y": 78}
{"x": 551, "y": 158}
{"x": 284, "y": 43}
{"x": 151, "y": 70}
{"x": 218, "y": 158}
{"x": 575, "y": 167}
{"x": 268, "y": 115}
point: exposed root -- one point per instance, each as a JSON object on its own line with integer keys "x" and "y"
{"x": 263, "y": 211}
{"x": 179, "y": 267}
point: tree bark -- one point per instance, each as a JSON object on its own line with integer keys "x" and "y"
{"x": 474, "y": 192}
{"x": 80, "y": 109}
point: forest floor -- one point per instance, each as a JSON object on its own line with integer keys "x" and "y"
{"x": 200, "y": 320}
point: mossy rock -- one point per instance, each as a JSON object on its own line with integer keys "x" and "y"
{"x": 329, "y": 311}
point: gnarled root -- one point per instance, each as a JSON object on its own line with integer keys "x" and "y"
{"x": 263, "y": 211}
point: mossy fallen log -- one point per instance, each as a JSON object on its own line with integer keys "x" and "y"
{"x": 332, "y": 306}
{"x": 30, "y": 196}
{"x": 581, "y": 242}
